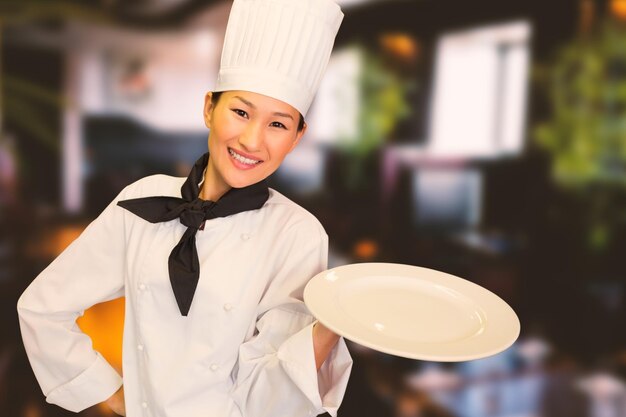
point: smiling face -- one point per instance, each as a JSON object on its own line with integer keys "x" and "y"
{"x": 250, "y": 135}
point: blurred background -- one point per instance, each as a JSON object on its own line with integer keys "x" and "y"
{"x": 482, "y": 138}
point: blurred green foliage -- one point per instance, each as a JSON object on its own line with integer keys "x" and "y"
{"x": 23, "y": 103}
{"x": 586, "y": 87}
{"x": 586, "y": 132}
{"x": 23, "y": 100}
{"x": 383, "y": 104}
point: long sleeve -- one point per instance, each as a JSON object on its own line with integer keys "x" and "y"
{"x": 90, "y": 270}
{"x": 276, "y": 373}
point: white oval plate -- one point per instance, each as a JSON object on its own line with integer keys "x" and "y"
{"x": 413, "y": 312}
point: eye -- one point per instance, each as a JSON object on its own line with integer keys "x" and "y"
{"x": 240, "y": 112}
{"x": 279, "y": 124}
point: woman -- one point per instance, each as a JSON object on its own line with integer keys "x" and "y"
{"x": 212, "y": 266}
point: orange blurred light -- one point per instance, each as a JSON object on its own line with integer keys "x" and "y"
{"x": 104, "y": 323}
{"x": 400, "y": 45}
{"x": 618, "y": 8}
{"x": 366, "y": 249}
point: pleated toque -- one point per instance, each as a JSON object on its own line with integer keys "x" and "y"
{"x": 279, "y": 48}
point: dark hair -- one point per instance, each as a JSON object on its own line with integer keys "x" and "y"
{"x": 215, "y": 98}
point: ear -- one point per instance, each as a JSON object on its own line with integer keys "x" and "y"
{"x": 298, "y": 137}
{"x": 208, "y": 109}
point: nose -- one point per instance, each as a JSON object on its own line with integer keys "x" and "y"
{"x": 252, "y": 137}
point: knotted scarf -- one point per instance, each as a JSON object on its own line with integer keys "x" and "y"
{"x": 192, "y": 211}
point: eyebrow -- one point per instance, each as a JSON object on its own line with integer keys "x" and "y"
{"x": 276, "y": 113}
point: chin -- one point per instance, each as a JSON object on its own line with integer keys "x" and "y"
{"x": 243, "y": 182}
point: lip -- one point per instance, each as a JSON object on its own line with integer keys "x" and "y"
{"x": 246, "y": 155}
{"x": 241, "y": 165}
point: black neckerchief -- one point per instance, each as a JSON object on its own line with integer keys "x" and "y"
{"x": 184, "y": 267}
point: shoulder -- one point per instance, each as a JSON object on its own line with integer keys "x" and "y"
{"x": 290, "y": 217}
{"x": 154, "y": 185}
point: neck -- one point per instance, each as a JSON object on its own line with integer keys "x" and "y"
{"x": 212, "y": 188}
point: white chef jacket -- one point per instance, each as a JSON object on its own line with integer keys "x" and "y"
{"x": 246, "y": 347}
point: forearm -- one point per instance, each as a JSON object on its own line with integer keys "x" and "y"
{"x": 116, "y": 402}
{"x": 324, "y": 340}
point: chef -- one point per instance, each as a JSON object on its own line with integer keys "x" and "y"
{"x": 212, "y": 266}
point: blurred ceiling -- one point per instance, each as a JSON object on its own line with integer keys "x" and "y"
{"x": 139, "y": 13}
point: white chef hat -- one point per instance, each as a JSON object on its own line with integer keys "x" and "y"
{"x": 279, "y": 48}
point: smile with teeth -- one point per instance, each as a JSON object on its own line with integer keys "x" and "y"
{"x": 243, "y": 159}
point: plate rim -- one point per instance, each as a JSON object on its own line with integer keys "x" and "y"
{"x": 311, "y": 305}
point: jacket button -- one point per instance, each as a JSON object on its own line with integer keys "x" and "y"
{"x": 228, "y": 306}
{"x": 144, "y": 404}
{"x": 140, "y": 347}
{"x": 214, "y": 367}
{"x": 142, "y": 286}
{"x": 245, "y": 236}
